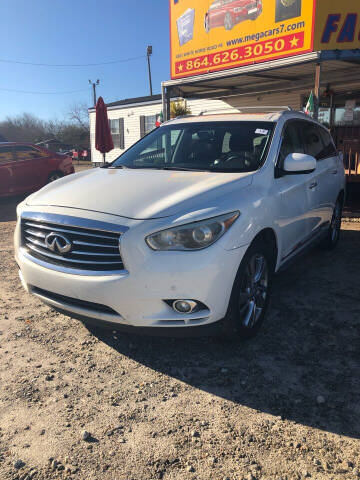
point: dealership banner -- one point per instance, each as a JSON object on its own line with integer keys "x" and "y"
{"x": 337, "y": 25}
{"x": 212, "y": 35}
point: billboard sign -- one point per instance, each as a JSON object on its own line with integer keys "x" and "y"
{"x": 212, "y": 35}
{"x": 337, "y": 25}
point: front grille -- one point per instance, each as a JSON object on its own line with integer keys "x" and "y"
{"x": 92, "y": 249}
{"x": 75, "y": 302}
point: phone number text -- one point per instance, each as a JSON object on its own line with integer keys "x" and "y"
{"x": 242, "y": 54}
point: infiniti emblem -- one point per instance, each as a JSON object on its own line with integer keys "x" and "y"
{"x": 58, "y": 243}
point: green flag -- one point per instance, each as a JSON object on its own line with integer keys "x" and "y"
{"x": 310, "y": 106}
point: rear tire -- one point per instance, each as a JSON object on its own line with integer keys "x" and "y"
{"x": 333, "y": 236}
{"x": 250, "y": 294}
{"x": 207, "y": 23}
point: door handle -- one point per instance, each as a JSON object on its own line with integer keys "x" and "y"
{"x": 334, "y": 172}
{"x": 313, "y": 185}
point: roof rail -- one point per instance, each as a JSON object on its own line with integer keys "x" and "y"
{"x": 184, "y": 116}
{"x": 269, "y": 109}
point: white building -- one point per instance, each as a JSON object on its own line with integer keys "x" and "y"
{"x": 133, "y": 118}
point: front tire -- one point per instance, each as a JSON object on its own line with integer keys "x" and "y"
{"x": 333, "y": 236}
{"x": 249, "y": 298}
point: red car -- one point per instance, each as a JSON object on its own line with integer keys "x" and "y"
{"x": 227, "y": 13}
{"x": 25, "y": 168}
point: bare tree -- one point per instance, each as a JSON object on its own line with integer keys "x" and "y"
{"x": 78, "y": 113}
{"x": 54, "y": 127}
{"x": 23, "y": 128}
{"x": 28, "y": 128}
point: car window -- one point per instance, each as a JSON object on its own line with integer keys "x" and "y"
{"x": 156, "y": 151}
{"x": 292, "y": 141}
{"x": 216, "y": 146}
{"x": 25, "y": 152}
{"x": 313, "y": 142}
{"x": 329, "y": 149}
{"x": 6, "y": 154}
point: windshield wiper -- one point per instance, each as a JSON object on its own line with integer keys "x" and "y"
{"x": 159, "y": 167}
{"x": 185, "y": 169}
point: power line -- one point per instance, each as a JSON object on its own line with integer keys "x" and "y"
{"x": 73, "y": 64}
{"x": 43, "y": 93}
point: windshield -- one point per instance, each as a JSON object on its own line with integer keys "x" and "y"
{"x": 214, "y": 146}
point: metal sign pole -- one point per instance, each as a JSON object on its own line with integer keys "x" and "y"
{"x": 317, "y": 90}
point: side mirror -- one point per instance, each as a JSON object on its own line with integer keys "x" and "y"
{"x": 298, "y": 163}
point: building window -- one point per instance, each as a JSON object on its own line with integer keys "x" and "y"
{"x": 344, "y": 117}
{"x": 147, "y": 124}
{"x": 117, "y": 132}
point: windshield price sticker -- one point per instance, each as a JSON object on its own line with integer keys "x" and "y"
{"x": 260, "y": 131}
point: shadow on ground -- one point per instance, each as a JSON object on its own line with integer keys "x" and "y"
{"x": 309, "y": 348}
{"x": 8, "y": 207}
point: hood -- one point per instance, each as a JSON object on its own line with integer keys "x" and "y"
{"x": 139, "y": 194}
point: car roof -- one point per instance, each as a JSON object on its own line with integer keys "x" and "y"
{"x": 240, "y": 117}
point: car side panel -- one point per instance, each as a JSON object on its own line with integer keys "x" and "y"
{"x": 239, "y": 10}
{"x": 26, "y": 173}
{"x": 326, "y": 185}
{"x": 6, "y": 177}
{"x": 46, "y": 166}
{"x": 217, "y": 16}
{"x": 323, "y": 195}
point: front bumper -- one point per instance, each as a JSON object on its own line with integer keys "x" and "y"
{"x": 209, "y": 329}
{"x": 135, "y": 298}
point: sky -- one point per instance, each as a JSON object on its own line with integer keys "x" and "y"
{"x": 79, "y": 32}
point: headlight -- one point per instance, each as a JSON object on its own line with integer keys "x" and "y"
{"x": 193, "y": 236}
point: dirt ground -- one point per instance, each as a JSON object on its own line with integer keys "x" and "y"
{"x": 282, "y": 406}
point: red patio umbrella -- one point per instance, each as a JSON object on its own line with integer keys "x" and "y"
{"x": 103, "y": 138}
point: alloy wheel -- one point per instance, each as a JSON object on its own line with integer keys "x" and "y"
{"x": 253, "y": 290}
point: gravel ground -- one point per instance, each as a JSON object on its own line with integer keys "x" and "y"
{"x": 93, "y": 405}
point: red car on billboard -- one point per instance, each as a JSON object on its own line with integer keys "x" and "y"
{"x": 227, "y": 13}
{"x": 25, "y": 168}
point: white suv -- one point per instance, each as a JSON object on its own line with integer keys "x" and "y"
{"x": 184, "y": 231}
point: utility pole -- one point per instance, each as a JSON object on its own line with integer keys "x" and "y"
{"x": 149, "y": 52}
{"x": 94, "y": 85}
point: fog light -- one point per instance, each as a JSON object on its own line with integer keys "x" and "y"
{"x": 184, "y": 306}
